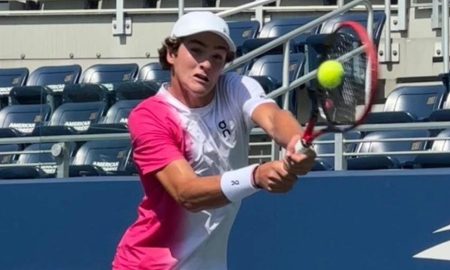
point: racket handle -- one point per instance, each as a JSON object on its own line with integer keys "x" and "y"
{"x": 301, "y": 148}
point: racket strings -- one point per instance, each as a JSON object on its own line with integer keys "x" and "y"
{"x": 340, "y": 104}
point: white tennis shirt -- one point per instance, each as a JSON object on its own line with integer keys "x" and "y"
{"x": 213, "y": 139}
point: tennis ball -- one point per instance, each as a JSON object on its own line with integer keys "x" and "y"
{"x": 330, "y": 74}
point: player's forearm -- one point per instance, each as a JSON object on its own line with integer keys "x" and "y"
{"x": 202, "y": 193}
{"x": 285, "y": 126}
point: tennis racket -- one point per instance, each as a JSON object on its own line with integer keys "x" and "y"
{"x": 350, "y": 45}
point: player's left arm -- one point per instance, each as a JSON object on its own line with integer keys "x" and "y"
{"x": 284, "y": 128}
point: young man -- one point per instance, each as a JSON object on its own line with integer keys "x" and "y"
{"x": 190, "y": 145}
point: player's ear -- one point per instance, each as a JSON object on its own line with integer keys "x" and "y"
{"x": 170, "y": 56}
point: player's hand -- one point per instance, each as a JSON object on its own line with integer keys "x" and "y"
{"x": 299, "y": 163}
{"x": 273, "y": 177}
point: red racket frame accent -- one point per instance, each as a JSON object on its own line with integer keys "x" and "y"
{"x": 309, "y": 135}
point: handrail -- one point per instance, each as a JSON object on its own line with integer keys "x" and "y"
{"x": 314, "y": 23}
{"x": 243, "y": 7}
{"x": 445, "y": 35}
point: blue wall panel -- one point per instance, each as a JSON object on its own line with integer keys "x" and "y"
{"x": 344, "y": 220}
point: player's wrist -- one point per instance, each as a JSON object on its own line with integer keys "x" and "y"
{"x": 254, "y": 180}
{"x": 238, "y": 184}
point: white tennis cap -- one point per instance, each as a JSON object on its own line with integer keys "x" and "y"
{"x": 202, "y": 21}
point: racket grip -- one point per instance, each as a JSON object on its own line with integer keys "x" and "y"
{"x": 301, "y": 148}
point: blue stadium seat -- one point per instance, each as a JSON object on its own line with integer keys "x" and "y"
{"x": 441, "y": 114}
{"x": 8, "y": 158}
{"x": 109, "y": 74}
{"x": 116, "y": 118}
{"x": 55, "y": 77}
{"x": 379, "y": 19}
{"x": 441, "y": 157}
{"x": 278, "y": 27}
{"x": 100, "y": 158}
{"x": 46, "y": 161}
{"x": 9, "y": 78}
{"x": 327, "y": 163}
{"x": 136, "y": 90}
{"x": 268, "y": 71}
{"x": 28, "y": 110}
{"x": 83, "y": 105}
{"x": 371, "y": 145}
{"x": 241, "y": 31}
{"x": 36, "y": 161}
{"x": 272, "y": 30}
{"x": 409, "y": 104}
{"x": 154, "y": 72}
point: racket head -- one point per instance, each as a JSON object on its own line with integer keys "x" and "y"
{"x": 347, "y": 105}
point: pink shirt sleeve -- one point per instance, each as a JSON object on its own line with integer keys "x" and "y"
{"x": 156, "y": 135}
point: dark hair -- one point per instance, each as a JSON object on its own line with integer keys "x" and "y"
{"x": 171, "y": 44}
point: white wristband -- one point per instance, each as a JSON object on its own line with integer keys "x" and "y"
{"x": 238, "y": 184}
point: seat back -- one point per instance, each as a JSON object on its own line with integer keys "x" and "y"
{"x": 109, "y": 73}
{"x": 243, "y": 30}
{"x": 420, "y": 101}
{"x": 109, "y": 155}
{"x": 24, "y": 118}
{"x": 45, "y": 157}
{"x": 55, "y": 77}
{"x": 6, "y": 158}
{"x": 281, "y": 26}
{"x": 272, "y": 66}
{"x": 79, "y": 115}
{"x": 328, "y": 148}
{"x": 442, "y": 145}
{"x": 118, "y": 113}
{"x": 379, "y": 18}
{"x": 371, "y": 145}
{"x": 10, "y": 77}
{"x": 154, "y": 72}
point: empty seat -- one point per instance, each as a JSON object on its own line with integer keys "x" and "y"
{"x": 101, "y": 158}
{"x": 241, "y": 31}
{"x": 27, "y": 111}
{"x": 272, "y": 66}
{"x": 409, "y": 104}
{"x": 278, "y": 27}
{"x": 441, "y": 156}
{"x": 136, "y": 90}
{"x": 379, "y": 18}
{"x": 154, "y": 72}
{"x": 55, "y": 77}
{"x": 109, "y": 74}
{"x": 116, "y": 118}
{"x": 36, "y": 161}
{"x": 323, "y": 147}
{"x": 7, "y": 155}
{"x": 372, "y": 144}
{"x": 268, "y": 71}
{"x": 9, "y": 78}
{"x": 83, "y": 105}
{"x": 272, "y": 30}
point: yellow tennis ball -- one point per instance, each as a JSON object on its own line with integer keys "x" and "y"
{"x": 330, "y": 74}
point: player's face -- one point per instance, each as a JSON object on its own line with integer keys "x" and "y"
{"x": 198, "y": 64}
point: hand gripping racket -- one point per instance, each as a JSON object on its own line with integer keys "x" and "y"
{"x": 350, "y": 45}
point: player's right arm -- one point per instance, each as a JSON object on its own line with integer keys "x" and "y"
{"x": 197, "y": 193}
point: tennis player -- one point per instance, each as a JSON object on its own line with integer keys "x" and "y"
{"x": 190, "y": 145}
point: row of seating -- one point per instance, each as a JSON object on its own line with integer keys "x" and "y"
{"x": 92, "y": 158}
{"x": 414, "y": 103}
{"x": 106, "y": 158}
{"x": 438, "y": 146}
{"x": 85, "y": 108}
